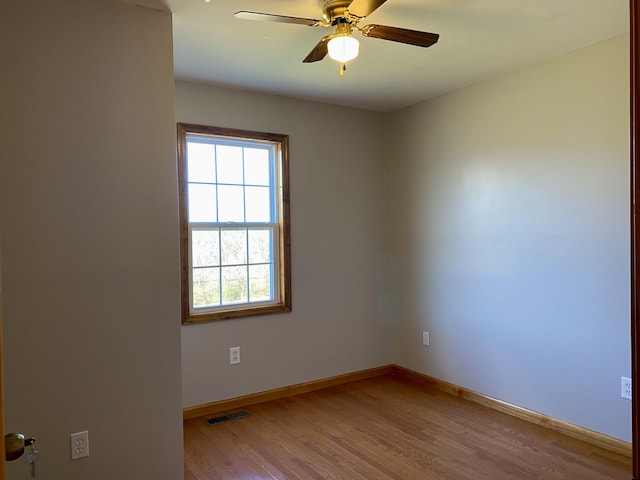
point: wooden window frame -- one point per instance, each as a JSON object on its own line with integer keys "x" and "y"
{"x": 283, "y": 255}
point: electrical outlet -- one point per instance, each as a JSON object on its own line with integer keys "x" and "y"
{"x": 79, "y": 445}
{"x": 234, "y": 355}
{"x": 625, "y": 386}
{"x": 425, "y": 338}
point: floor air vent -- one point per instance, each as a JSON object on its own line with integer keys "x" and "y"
{"x": 226, "y": 418}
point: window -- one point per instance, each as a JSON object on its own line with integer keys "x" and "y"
{"x": 234, "y": 223}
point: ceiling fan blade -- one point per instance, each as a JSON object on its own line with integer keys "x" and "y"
{"x": 363, "y": 8}
{"x": 269, "y": 17}
{"x": 402, "y": 35}
{"x": 319, "y": 51}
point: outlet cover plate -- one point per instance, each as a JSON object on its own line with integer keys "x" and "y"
{"x": 625, "y": 388}
{"x": 234, "y": 355}
{"x": 79, "y": 445}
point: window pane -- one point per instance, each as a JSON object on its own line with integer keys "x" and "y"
{"x": 205, "y": 248}
{"x": 234, "y": 285}
{"x": 234, "y": 247}
{"x": 201, "y": 162}
{"x": 260, "y": 246}
{"x": 258, "y": 205}
{"x": 206, "y": 287}
{"x": 256, "y": 166}
{"x": 229, "y": 164}
{"x": 202, "y": 203}
{"x": 230, "y": 204}
{"x": 259, "y": 283}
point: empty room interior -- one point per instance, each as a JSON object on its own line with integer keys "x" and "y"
{"x": 459, "y": 223}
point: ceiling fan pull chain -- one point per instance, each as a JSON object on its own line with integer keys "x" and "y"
{"x": 343, "y": 68}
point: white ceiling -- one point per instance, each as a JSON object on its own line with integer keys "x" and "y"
{"x": 478, "y": 39}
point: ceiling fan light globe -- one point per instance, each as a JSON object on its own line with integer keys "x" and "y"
{"x": 343, "y": 48}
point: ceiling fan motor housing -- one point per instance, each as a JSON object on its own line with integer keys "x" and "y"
{"x": 333, "y": 9}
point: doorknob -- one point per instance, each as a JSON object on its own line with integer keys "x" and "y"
{"x": 14, "y": 444}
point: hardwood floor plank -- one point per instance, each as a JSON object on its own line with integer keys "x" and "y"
{"x": 388, "y": 428}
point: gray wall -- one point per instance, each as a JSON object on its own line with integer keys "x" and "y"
{"x": 89, "y": 232}
{"x": 510, "y": 234}
{"x": 339, "y": 234}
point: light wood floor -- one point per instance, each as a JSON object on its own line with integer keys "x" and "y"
{"x": 387, "y": 428}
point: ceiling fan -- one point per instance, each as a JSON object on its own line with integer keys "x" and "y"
{"x": 344, "y": 16}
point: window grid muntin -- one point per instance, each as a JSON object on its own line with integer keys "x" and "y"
{"x": 273, "y": 169}
{"x": 273, "y": 225}
{"x": 275, "y": 285}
